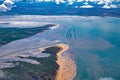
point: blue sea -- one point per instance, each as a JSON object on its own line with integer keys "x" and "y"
{"x": 94, "y": 42}
{"x": 95, "y": 45}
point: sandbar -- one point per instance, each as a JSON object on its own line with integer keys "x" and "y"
{"x": 67, "y": 68}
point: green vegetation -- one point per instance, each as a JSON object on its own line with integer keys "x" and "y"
{"x": 26, "y": 71}
{"x": 10, "y": 34}
{"x": 46, "y": 70}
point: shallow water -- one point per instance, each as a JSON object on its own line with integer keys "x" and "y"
{"x": 94, "y": 43}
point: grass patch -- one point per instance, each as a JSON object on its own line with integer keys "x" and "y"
{"x": 10, "y": 34}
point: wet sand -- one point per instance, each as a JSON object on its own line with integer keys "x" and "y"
{"x": 67, "y": 68}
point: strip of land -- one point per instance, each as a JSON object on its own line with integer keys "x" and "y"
{"x": 67, "y": 68}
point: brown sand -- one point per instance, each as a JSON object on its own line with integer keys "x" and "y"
{"x": 67, "y": 68}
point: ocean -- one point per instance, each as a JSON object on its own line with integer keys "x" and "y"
{"x": 94, "y": 42}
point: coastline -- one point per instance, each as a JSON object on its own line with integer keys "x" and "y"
{"x": 66, "y": 64}
{"x": 67, "y": 67}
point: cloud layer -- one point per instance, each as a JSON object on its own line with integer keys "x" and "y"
{"x": 7, "y": 4}
{"x": 105, "y": 3}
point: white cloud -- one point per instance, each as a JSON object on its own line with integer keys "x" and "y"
{"x": 113, "y": 6}
{"x": 109, "y": 6}
{"x": 7, "y": 5}
{"x": 8, "y": 2}
{"x": 3, "y": 7}
{"x": 106, "y": 6}
{"x": 101, "y": 2}
{"x": 86, "y": 6}
{"x": 79, "y": 0}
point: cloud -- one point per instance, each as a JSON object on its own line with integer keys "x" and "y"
{"x": 86, "y": 6}
{"x": 3, "y": 7}
{"x": 101, "y": 2}
{"x": 7, "y": 5}
{"x": 106, "y": 78}
{"x": 110, "y": 6}
{"x": 113, "y": 6}
{"x": 108, "y": 3}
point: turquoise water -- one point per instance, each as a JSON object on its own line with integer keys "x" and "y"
{"x": 94, "y": 44}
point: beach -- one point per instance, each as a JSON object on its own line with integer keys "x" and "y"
{"x": 67, "y": 68}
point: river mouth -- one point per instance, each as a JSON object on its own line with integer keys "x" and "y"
{"x": 93, "y": 41}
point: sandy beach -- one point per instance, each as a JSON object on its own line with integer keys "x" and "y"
{"x": 67, "y": 68}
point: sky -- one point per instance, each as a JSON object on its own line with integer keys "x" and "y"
{"x": 8, "y": 4}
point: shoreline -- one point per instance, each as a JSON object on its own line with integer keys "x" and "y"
{"x": 67, "y": 67}
{"x": 66, "y": 64}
